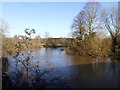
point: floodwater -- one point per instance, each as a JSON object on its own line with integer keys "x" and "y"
{"x": 53, "y": 68}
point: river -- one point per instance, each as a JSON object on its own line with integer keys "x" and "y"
{"x": 53, "y": 68}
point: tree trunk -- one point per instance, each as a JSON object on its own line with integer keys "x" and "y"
{"x": 114, "y": 43}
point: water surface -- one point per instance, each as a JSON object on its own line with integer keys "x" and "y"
{"x": 65, "y": 70}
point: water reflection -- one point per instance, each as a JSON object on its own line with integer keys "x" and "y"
{"x": 56, "y": 58}
{"x": 58, "y": 69}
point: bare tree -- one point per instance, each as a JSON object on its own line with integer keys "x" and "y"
{"x": 110, "y": 19}
{"x": 87, "y": 21}
{"x": 47, "y": 35}
{"x": 79, "y": 25}
{"x": 3, "y": 28}
{"x": 92, "y": 11}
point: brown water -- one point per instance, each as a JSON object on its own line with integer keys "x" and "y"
{"x": 65, "y": 70}
{"x": 58, "y": 58}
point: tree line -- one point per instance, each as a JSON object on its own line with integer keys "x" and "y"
{"x": 95, "y": 32}
{"x": 90, "y": 27}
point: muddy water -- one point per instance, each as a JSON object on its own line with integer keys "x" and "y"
{"x": 58, "y": 57}
{"x": 64, "y": 70}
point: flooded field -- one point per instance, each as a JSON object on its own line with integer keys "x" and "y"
{"x": 53, "y": 68}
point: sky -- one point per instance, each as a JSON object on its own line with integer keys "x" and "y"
{"x": 53, "y": 17}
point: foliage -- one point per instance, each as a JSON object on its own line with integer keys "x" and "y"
{"x": 87, "y": 38}
{"x": 92, "y": 46}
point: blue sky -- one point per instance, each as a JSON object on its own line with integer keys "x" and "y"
{"x": 53, "y": 17}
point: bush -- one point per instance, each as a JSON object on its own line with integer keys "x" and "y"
{"x": 91, "y": 46}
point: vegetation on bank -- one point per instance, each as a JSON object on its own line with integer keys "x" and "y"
{"x": 89, "y": 37}
{"x": 92, "y": 47}
{"x": 12, "y": 44}
{"x": 23, "y": 77}
{"x": 90, "y": 27}
{"x": 9, "y": 44}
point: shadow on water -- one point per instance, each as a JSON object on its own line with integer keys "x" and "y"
{"x": 77, "y": 76}
{"x": 63, "y": 75}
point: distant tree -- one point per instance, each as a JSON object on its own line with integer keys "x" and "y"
{"x": 47, "y": 35}
{"x": 3, "y": 28}
{"x": 46, "y": 40}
